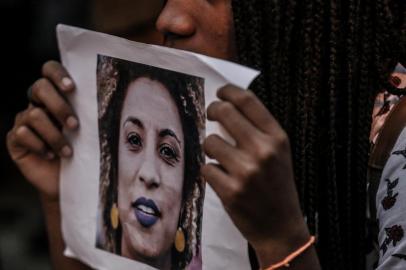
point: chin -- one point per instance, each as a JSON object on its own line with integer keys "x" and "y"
{"x": 149, "y": 254}
{"x": 143, "y": 246}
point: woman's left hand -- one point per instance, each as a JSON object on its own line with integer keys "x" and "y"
{"x": 255, "y": 178}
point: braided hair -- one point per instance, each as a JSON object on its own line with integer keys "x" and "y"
{"x": 322, "y": 64}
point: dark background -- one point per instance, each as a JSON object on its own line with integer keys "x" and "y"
{"x": 27, "y": 41}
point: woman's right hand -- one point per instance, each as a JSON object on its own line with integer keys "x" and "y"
{"x": 36, "y": 143}
{"x": 255, "y": 178}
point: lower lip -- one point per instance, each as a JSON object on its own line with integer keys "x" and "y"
{"x": 145, "y": 219}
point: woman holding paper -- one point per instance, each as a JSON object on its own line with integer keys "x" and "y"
{"x": 322, "y": 62}
{"x": 151, "y": 190}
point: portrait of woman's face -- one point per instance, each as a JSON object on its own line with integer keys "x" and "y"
{"x": 150, "y": 171}
{"x": 151, "y": 125}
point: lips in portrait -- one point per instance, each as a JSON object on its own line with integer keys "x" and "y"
{"x": 146, "y": 212}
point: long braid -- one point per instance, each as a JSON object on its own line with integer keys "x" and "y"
{"x": 335, "y": 257}
{"x": 302, "y": 100}
{"x": 259, "y": 58}
{"x": 351, "y": 59}
{"x": 366, "y": 93}
{"x": 283, "y": 56}
{"x": 286, "y": 68}
{"x": 314, "y": 94}
{"x": 240, "y": 30}
{"x": 273, "y": 59}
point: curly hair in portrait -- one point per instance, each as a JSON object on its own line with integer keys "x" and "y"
{"x": 322, "y": 64}
{"x": 186, "y": 92}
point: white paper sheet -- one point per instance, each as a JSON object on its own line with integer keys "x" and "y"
{"x": 223, "y": 247}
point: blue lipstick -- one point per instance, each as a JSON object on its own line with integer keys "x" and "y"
{"x": 146, "y": 212}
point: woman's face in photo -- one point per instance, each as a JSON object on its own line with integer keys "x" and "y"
{"x": 150, "y": 172}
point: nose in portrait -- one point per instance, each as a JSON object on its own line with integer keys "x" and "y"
{"x": 148, "y": 173}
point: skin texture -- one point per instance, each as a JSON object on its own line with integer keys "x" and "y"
{"x": 204, "y": 27}
{"x": 151, "y": 165}
{"x": 253, "y": 177}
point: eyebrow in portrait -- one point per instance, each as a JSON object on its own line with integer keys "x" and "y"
{"x": 167, "y": 132}
{"x": 135, "y": 121}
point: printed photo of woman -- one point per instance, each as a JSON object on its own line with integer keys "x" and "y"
{"x": 151, "y": 125}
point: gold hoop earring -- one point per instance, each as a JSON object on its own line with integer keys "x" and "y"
{"x": 114, "y": 216}
{"x": 180, "y": 241}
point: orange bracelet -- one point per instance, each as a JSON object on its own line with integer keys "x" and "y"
{"x": 285, "y": 262}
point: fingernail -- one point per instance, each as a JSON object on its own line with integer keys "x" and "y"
{"x": 50, "y": 155}
{"x": 67, "y": 82}
{"x": 72, "y": 122}
{"x": 66, "y": 151}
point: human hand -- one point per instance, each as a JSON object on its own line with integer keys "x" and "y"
{"x": 255, "y": 178}
{"x": 36, "y": 143}
{"x": 384, "y": 103}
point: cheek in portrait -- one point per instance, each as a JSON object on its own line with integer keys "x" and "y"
{"x": 150, "y": 171}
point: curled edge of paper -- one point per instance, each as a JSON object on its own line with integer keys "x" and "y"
{"x": 223, "y": 68}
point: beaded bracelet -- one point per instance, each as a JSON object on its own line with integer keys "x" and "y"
{"x": 285, "y": 262}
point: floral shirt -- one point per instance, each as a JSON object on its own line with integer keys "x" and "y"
{"x": 389, "y": 250}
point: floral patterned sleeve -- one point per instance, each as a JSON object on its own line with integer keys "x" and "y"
{"x": 391, "y": 210}
{"x": 391, "y": 195}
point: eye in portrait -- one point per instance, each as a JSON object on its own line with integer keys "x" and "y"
{"x": 151, "y": 125}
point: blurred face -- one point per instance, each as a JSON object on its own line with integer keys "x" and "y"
{"x": 202, "y": 26}
{"x": 150, "y": 172}
{"x": 130, "y": 19}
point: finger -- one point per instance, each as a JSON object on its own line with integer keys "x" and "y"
{"x": 250, "y": 106}
{"x": 43, "y": 92}
{"x": 218, "y": 180}
{"x": 18, "y": 118}
{"x": 58, "y": 75}
{"x": 229, "y": 157}
{"x": 40, "y": 123}
{"x": 234, "y": 122}
{"x": 26, "y": 138}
